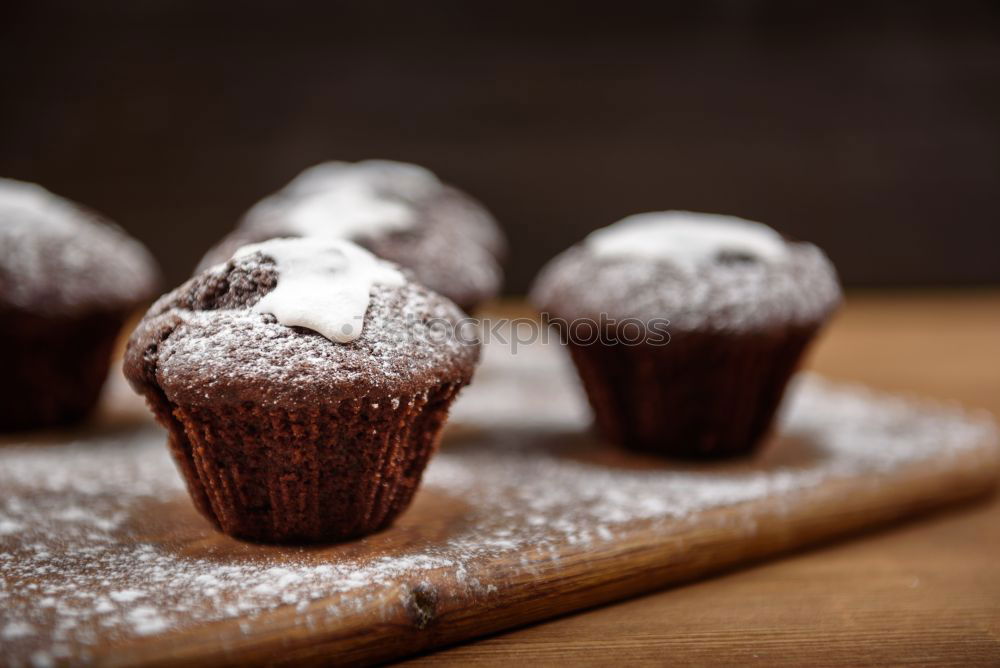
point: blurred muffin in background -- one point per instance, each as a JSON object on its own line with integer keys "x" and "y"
{"x": 686, "y": 327}
{"x": 398, "y": 211}
{"x": 68, "y": 281}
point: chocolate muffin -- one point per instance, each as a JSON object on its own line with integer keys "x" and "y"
{"x": 68, "y": 281}
{"x": 303, "y": 384}
{"x": 398, "y": 211}
{"x": 686, "y": 327}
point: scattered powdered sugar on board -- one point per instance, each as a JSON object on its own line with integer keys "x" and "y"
{"x": 85, "y": 524}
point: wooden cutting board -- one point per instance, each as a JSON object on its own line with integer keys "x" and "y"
{"x": 523, "y": 515}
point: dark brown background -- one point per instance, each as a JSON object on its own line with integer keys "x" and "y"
{"x": 872, "y": 128}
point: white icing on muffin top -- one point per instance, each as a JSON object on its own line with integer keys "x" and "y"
{"x": 347, "y": 212}
{"x": 687, "y": 239}
{"x": 323, "y": 284}
{"x": 701, "y": 272}
{"x": 351, "y": 200}
{"x": 400, "y": 179}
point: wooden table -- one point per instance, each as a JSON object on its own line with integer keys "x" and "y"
{"x": 924, "y": 592}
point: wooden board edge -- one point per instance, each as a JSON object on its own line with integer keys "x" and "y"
{"x": 416, "y": 619}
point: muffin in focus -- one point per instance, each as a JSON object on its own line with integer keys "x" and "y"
{"x": 400, "y": 212}
{"x": 303, "y": 384}
{"x": 68, "y": 281}
{"x": 685, "y": 327}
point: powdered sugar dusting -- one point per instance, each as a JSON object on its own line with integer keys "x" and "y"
{"x": 687, "y": 239}
{"x": 400, "y": 212}
{"x": 707, "y": 282}
{"x": 411, "y": 338}
{"x": 57, "y": 257}
{"x": 91, "y": 552}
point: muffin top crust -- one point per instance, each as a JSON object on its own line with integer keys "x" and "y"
{"x": 399, "y": 211}
{"x": 58, "y": 258}
{"x": 702, "y": 272}
{"x": 219, "y": 339}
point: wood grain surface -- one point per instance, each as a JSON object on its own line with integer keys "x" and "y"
{"x": 421, "y": 610}
{"x": 925, "y": 592}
